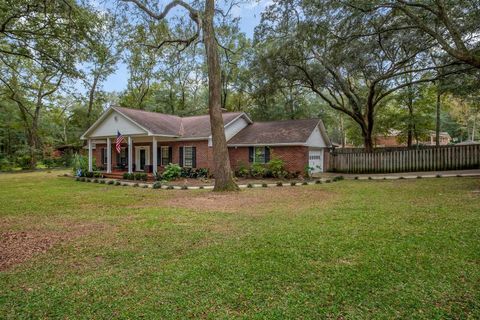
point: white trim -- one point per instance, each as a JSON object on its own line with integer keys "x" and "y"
{"x": 130, "y": 157}
{"x": 161, "y": 154}
{"x": 90, "y": 165}
{"x": 109, "y": 155}
{"x": 154, "y": 155}
{"x": 137, "y": 156}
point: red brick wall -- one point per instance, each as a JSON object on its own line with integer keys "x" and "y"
{"x": 295, "y": 157}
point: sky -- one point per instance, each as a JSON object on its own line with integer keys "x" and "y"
{"x": 249, "y": 14}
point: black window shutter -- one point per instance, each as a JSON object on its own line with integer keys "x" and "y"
{"x": 194, "y": 157}
{"x": 250, "y": 154}
{"x": 169, "y": 154}
{"x": 267, "y": 154}
{"x": 159, "y": 156}
{"x": 180, "y": 156}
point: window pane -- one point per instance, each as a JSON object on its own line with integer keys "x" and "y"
{"x": 165, "y": 155}
{"x": 187, "y": 157}
{"x": 259, "y": 156}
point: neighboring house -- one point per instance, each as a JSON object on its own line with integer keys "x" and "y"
{"x": 153, "y": 140}
{"x": 392, "y": 139}
{"x": 444, "y": 139}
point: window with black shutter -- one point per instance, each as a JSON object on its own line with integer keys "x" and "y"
{"x": 165, "y": 155}
{"x": 180, "y": 156}
{"x": 188, "y": 156}
{"x": 259, "y": 154}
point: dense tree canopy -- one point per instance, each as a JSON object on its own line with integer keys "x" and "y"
{"x": 366, "y": 68}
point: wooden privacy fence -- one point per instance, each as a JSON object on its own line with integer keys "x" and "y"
{"x": 406, "y": 160}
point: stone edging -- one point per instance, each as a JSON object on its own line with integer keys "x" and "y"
{"x": 283, "y": 184}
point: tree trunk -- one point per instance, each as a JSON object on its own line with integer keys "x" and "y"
{"x": 223, "y": 173}
{"x": 437, "y": 125}
{"x": 91, "y": 98}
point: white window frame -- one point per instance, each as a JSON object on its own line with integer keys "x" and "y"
{"x": 162, "y": 152}
{"x": 255, "y": 154}
{"x": 184, "y": 156}
{"x": 105, "y": 155}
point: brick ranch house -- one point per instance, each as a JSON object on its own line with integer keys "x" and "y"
{"x": 152, "y": 140}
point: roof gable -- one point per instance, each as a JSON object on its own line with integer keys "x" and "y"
{"x": 112, "y": 122}
{"x": 134, "y": 122}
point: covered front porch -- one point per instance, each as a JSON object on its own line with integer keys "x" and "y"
{"x": 136, "y": 154}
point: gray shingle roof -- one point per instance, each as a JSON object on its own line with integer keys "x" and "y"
{"x": 275, "y": 132}
{"x": 170, "y": 125}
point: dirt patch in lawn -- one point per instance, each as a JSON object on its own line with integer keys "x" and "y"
{"x": 19, "y": 246}
{"x": 254, "y": 201}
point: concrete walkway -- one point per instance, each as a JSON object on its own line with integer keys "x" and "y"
{"x": 424, "y": 174}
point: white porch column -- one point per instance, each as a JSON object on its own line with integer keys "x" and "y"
{"x": 90, "y": 165}
{"x": 109, "y": 155}
{"x": 130, "y": 158}
{"x": 155, "y": 156}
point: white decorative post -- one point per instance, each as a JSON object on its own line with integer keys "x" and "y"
{"x": 109, "y": 156}
{"x": 130, "y": 160}
{"x": 155, "y": 156}
{"x": 90, "y": 165}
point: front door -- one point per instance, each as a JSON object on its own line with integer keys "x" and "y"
{"x": 142, "y": 159}
{"x": 315, "y": 160}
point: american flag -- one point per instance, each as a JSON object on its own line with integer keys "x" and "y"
{"x": 118, "y": 142}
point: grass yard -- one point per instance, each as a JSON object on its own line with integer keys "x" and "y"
{"x": 348, "y": 250}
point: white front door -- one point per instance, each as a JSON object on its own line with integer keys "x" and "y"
{"x": 142, "y": 157}
{"x": 315, "y": 160}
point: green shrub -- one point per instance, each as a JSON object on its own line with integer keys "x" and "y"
{"x": 102, "y": 181}
{"x": 125, "y": 185}
{"x": 117, "y": 183}
{"x": 145, "y": 186}
{"x": 6, "y": 165}
{"x": 304, "y": 183}
{"x": 157, "y": 185}
{"x": 172, "y": 171}
{"x": 80, "y": 165}
{"x": 276, "y": 168}
{"x": 264, "y": 185}
{"x": 307, "y": 171}
{"x": 338, "y": 178}
{"x": 140, "y": 176}
{"x": 279, "y": 184}
{"x": 88, "y": 180}
{"x": 356, "y": 178}
{"x": 293, "y": 183}
{"x": 257, "y": 170}
{"x": 328, "y": 181}
{"x": 242, "y": 171}
{"x": 419, "y": 177}
{"x": 170, "y": 187}
{"x": 184, "y": 187}
{"x": 438, "y": 176}
{"x": 249, "y": 185}
{"x": 135, "y": 185}
{"x": 201, "y": 187}
{"x": 128, "y": 176}
{"x": 110, "y": 182}
{"x": 95, "y": 180}
{"x": 318, "y": 182}
{"x": 82, "y": 179}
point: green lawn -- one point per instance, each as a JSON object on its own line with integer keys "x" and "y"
{"x": 350, "y": 249}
